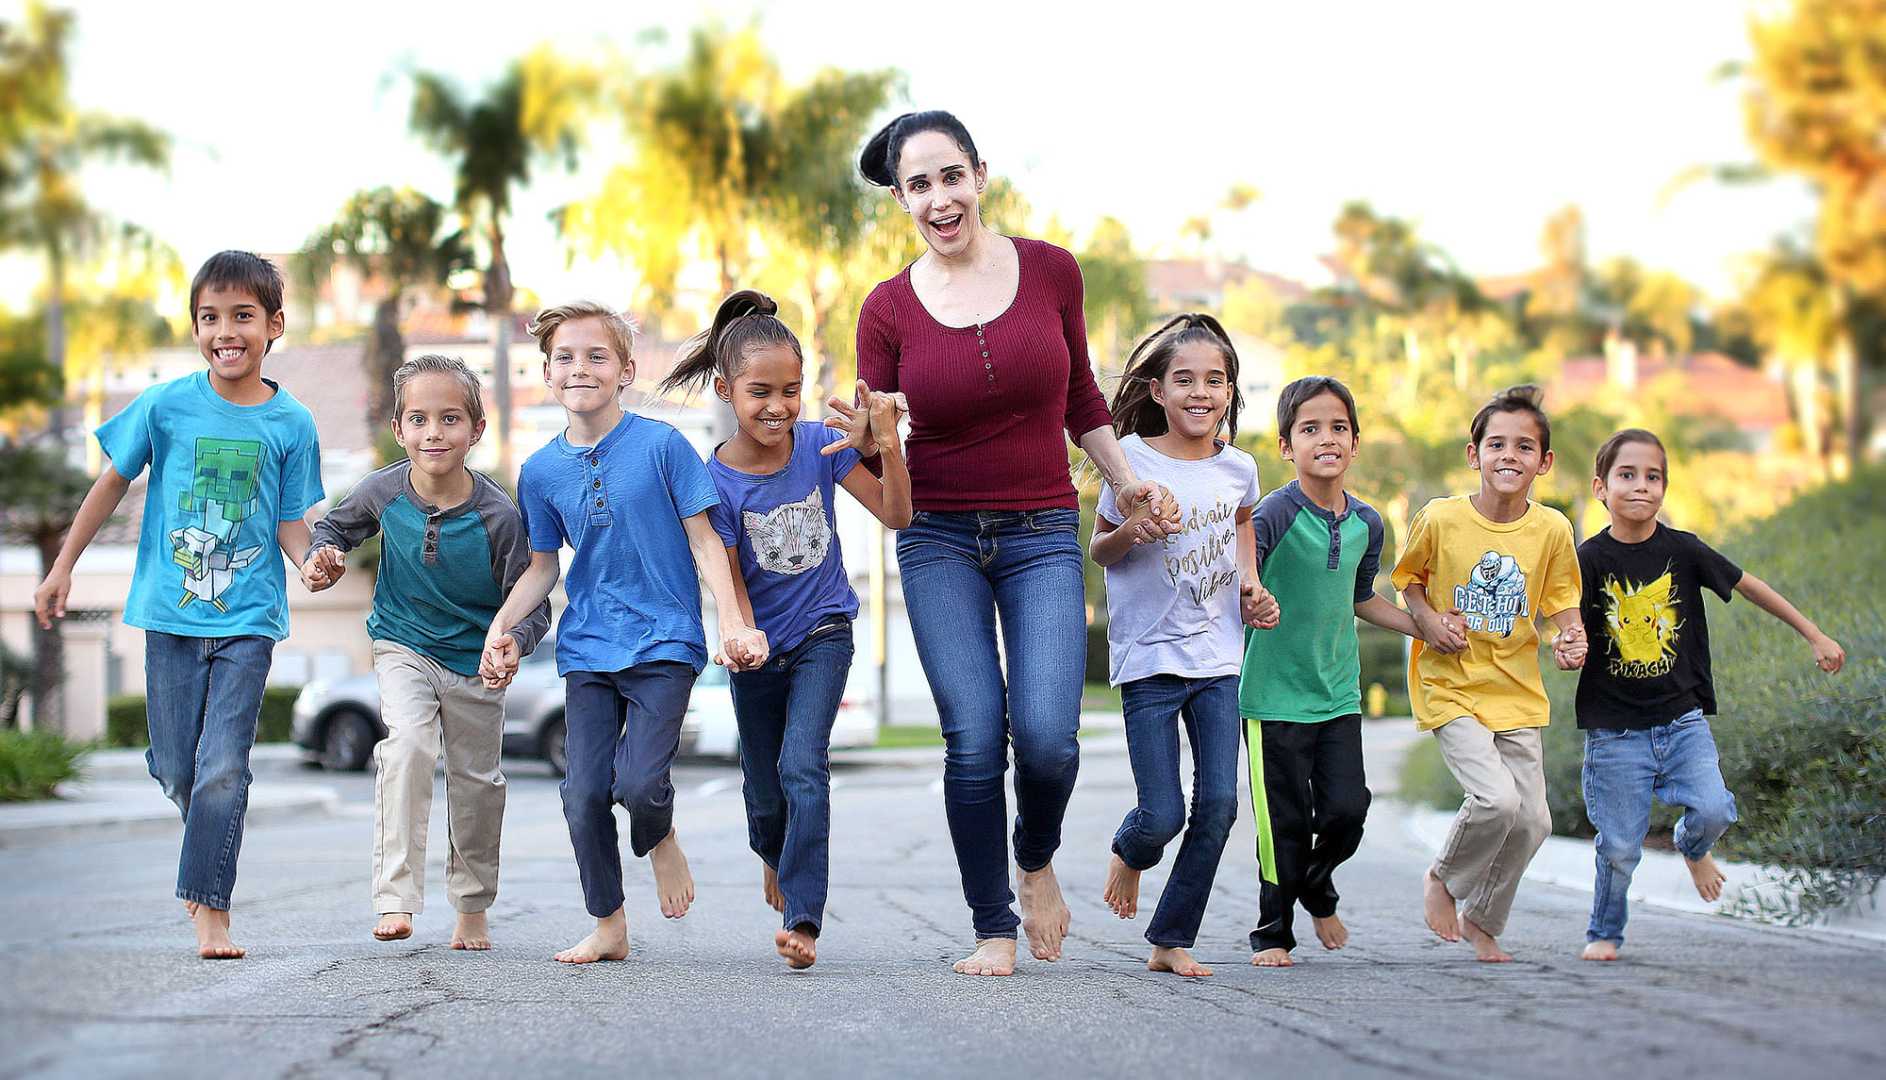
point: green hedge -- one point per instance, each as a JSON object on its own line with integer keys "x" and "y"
{"x": 127, "y": 725}
{"x": 32, "y": 763}
{"x": 1804, "y": 752}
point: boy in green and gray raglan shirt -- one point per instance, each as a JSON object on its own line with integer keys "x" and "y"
{"x": 1318, "y": 548}
{"x": 452, "y": 545}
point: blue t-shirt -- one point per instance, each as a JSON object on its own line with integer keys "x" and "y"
{"x": 634, "y": 597}
{"x": 223, "y": 478}
{"x": 783, "y": 527}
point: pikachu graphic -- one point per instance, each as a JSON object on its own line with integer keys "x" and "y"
{"x": 1641, "y": 621}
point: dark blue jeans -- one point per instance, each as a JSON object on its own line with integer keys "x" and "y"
{"x": 1154, "y": 707}
{"x": 624, "y": 728}
{"x": 785, "y": 712}
{"x": 1675, "y": 763}
{"x": 203, "y": 698}
{"x": 962, "y": 572}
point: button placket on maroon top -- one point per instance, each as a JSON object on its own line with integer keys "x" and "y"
{"x": 988, "y": 366}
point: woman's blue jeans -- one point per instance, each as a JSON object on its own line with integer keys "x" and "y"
{"x": 965, "y": 573}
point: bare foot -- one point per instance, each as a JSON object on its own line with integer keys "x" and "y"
{"x": 394, "y": 926}
{"x": 1272, "y": 958}
{"x": 189, "y": 908}
{"x": 769, "y": 888}
{"x": 1044, "y": 913}
{"x": 472, "y": 932}
{"x": 1438, "y": 905}
{"x": 672, "y": 880}
{"x": 1177, "y": 961}
{"x": 1122, "y": 893}
{"x": 1707, "y": 876}
{"x": 800, "y": 949}
{"x": 1600, "y": 950}
{"x": 212, "y": 935}
{"x": 1331, "y": 932}
{"x": 609, "y": 941}
{"x": 1485, "y": 949}
{"x": 993, "y": 956}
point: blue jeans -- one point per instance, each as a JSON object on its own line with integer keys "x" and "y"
{"x": 1675, "y": 762}
{"x": 962, "y": 572}
{"x": 623, "y": 730}
{"x": 785, "y": 712}
{"x": 203, "y": 699}
{"x": 1209, "y": 709}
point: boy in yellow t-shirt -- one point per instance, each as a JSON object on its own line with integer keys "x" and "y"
{"x": 1475, "y": 572}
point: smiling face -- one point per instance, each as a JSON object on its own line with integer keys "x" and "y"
{"x": 583, "y": 371}
{"x": 233, "y": 332}
{"x": 940, "y": 190}
{"x": 435, "y": 425}
{"x": 1195, "y": 391}
{"x": 1322, "y": 440}
{"x": 1633, "y": 489}
{"x": 765, "y": 394}
{"x": 1509, "y": 456}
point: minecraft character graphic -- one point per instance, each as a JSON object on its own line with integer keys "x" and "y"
{"x": 1641, "y": 621}
{"x": 1494, "y": 598}
{"x": 223, "y": 491}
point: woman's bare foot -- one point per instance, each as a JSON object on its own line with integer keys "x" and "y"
{"x": 609, "y": 941}
{"x": 769, "y": 888}
{"x": 1707, "y": 876}
{"x": 993, "y": 956}
{"x": 394, "y": 926}
{"x": 1122, "y": 893}
{"x": 800, "y": 949}
{"x": 1600, "y": 950}
{"x": 1044, "y": 914}
{"x": 1437, "y": 904}
{"x": 1331, "y": 932}
{"x": 1272, "y": 958}
{"x": 471, "y": 932}
{"x": 1485, "y": 949}
{"x": 672, "y": 880}
{"x": 1177, "y": 961}
{"x": 212, "y": 935}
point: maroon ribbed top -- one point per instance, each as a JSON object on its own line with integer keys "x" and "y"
{"x": 989, "y": 403}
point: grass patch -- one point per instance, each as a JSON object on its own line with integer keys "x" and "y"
{"x": 127, "y": 725}
{"x": 33, "y": 763}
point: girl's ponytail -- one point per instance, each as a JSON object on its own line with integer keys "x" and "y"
{"x": 746, "y": 318}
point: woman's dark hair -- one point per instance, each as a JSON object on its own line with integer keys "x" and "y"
{"x": 1525, "y": 398}
{"x": 879, "y": 160}
{"x": 744, "y": 320}
{"x": 1134, "y": 410}
{"x": 1298, "y": 393}
{"x": 1608, "y": 453}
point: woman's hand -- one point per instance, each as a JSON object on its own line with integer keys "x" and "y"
{"x": 1162, "y": 508}
{"x": 856, "y": 418}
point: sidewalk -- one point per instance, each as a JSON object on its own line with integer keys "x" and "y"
{"x": 117, "y": 794}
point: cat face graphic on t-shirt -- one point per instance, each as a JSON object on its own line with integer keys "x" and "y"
{"x": 790, "y": 538}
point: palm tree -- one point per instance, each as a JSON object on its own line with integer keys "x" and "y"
{"x": 400, "y": 236}
{"x": 533, "y": 112}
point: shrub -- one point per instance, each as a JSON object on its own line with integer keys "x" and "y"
{"x": 1804, "y": 752}
{"x": 126, "y": 723}
{"x": 32, "y": 763}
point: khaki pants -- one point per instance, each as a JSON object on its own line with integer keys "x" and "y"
{"x": 1502, "y": 821}
{"x": 426, "y": 705}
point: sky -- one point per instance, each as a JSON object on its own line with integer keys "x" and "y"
{"x": 1476, "y": 120}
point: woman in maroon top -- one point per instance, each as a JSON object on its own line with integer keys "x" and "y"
{"x": 986, "y": 338}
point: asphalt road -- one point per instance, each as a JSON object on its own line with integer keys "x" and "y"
{"x": 98, "y": 976}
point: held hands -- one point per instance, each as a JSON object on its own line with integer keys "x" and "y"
{"x": 1828, "y": 655}
{"x": 869, "y": 420}
{"x": 1568, "y": 652}
{"x": 497, "y": 666}
{"x": 1258, "y": 607}
{"x": 742, "y": 648}
{"x": 324, "y": 567}
{"x": 1443, "y": 632}
{"x": 1162, "y": 508}
{"x": 49, "y": 599}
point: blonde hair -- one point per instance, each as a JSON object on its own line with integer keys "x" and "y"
{"x": 620, "y": 329}
{"x": 443, "y": 365}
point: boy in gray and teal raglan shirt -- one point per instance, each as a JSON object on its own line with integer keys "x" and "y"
{"x": 1319, "y": 549}
{"x": 452, "y": 545}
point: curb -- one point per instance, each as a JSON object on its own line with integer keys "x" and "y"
{"x": 127, "y": 763}
{"x": 1661, "y": 880}
{"x": 126, "y": 808}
